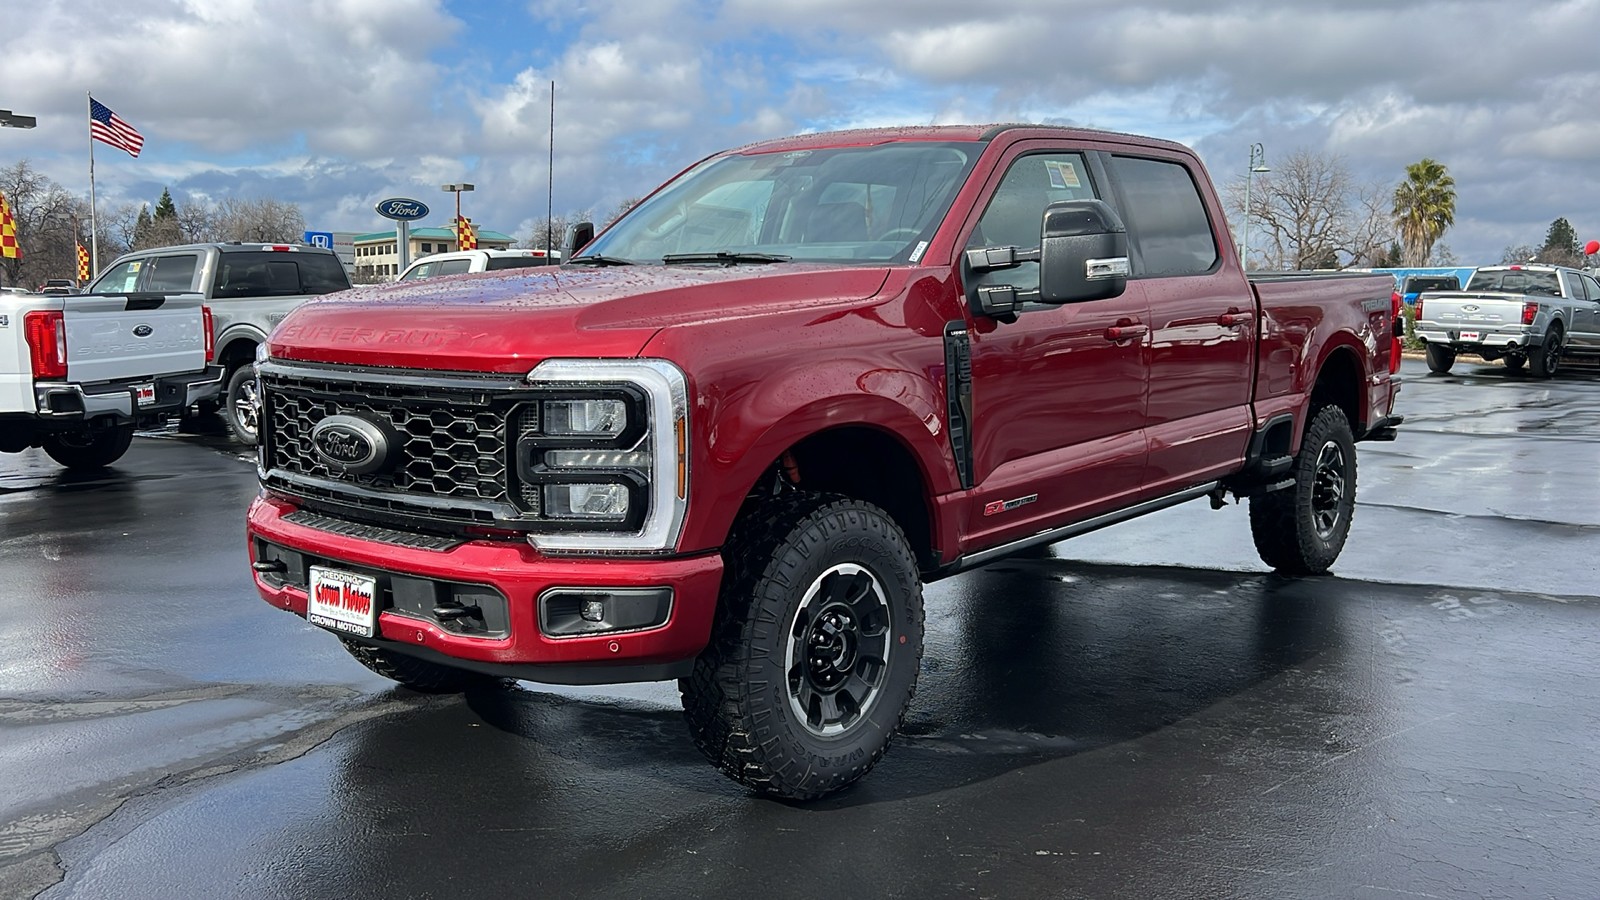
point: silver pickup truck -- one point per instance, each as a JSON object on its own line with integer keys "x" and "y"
{"x": 79, "y": 372}
{"x": 249, "y": 289}
{"x": 1533, "y": 315}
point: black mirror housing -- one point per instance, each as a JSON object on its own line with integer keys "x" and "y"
{"x": 1083, "y": 253}
{"x": 578, "y": 236}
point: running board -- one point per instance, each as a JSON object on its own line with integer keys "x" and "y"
{"x": 974, "y": 560}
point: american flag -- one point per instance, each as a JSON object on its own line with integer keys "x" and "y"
{"x": 105, "y": 125}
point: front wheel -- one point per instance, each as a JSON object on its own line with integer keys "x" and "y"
{"x": 1301, "y": 529}
{"x": 814, "y": 655}
{"x": 1440, "y": 358}
{"x": 242, "y": 406}
{"x": 1544, "y": 360}
{"x": 419, "y": 674}
{"x": 89, "y": 449}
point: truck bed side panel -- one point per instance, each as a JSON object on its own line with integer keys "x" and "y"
{"x": 1306, "y": 319}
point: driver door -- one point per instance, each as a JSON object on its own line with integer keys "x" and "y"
{"x": 1059, "y": 394}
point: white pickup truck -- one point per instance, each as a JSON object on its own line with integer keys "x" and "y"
{"x": 462, "y": 262}
{"x": 1533, "y": 315}
{"x": 79, "y": 372}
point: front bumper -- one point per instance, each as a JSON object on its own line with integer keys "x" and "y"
{"x": 513, "y": 645}
{"x": 173, "y": 393}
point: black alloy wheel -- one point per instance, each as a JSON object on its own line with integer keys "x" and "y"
{"x": 838, "y": 649}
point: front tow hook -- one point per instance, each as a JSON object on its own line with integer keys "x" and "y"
{"x": 270, "y": 565}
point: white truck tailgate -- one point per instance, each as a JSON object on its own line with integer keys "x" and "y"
{"x": 119, "y": 337}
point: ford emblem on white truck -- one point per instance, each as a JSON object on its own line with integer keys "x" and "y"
{"x": 351, "y": 445}
{"x": 143, "y": 331}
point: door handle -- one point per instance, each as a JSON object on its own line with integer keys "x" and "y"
{"x": 1126, "y": 332}
{"x": 1233, "y": 318}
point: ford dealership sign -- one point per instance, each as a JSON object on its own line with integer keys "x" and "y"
{"x": 401, "y": 209}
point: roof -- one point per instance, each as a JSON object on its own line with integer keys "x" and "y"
{"x": 866, "y": 136}
{"x": 226, "y": 247}
{"x": 430, "y": 234}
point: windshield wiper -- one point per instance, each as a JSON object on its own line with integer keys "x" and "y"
{"x": 599, "y": 260}
{"x": 725, "y": 257}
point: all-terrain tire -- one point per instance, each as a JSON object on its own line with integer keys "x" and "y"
{"x": 784, "y": 699}
{"x": 1301, "y": 529}
{"x": 1543, "y": 362}
{"x": 241, "y": 407}
{"x": 1440, "y": 358}
{"x": 419, "y": 674}
{"x": 90, "y": 450}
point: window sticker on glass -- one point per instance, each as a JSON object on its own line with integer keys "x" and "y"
{"x": 922, "y": 247}
{"x": 1062, "y": 174}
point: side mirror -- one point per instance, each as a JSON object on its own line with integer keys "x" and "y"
{"x": 578, "y": 237}
{"x": 1083, "y": 253}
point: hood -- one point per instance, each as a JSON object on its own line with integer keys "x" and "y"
{"x": 510, "y": 321}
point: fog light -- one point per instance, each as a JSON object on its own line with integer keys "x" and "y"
{"x": 577, "y": 612}
{"x": 594, "y": 610}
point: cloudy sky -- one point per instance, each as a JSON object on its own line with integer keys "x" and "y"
{"x": 336, "y": 104}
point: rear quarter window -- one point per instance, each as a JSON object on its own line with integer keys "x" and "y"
{"x": 278, "y": 274}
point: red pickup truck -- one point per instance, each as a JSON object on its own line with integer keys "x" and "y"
{"x": 730, "y": 440}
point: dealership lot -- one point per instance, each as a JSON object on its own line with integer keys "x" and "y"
{"x": 1144, "y": 712}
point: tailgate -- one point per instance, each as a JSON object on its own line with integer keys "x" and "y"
{"x": 118, "y": 337}
{"x": 1461, "y": 308}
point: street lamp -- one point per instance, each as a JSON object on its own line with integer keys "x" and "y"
{"x": 1258, "y": 163}
{"x": 457, "y": 189}
{"x": 10, "y": 119}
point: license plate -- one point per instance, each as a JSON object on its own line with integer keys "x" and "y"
{"x": 343, "y": 601}
{"x": 144, "y": 393}
{"x": 1471, "y": 335}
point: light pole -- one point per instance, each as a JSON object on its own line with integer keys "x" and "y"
{"x": 10, "y": 119}
{"x": 1258, "y": 163}
{"x": 457, "y": 189}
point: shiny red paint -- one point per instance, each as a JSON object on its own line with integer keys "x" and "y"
{"x": 1086, "y": 408}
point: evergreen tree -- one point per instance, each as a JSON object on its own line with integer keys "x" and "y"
{"x": 1561, "y": 245}
{"x": 141, "y": 225}
{"x": 166, "y": 210}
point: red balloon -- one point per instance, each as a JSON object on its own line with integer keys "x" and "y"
{"x": 1591, "y": 248}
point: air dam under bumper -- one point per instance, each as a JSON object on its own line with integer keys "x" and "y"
{"x": 521, "y": 575}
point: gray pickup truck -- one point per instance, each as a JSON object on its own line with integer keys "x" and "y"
{"x": 1533, "y": 315}
{"x": 249, "y": 288}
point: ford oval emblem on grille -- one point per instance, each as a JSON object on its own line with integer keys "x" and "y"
{"x": 1469, "y": 308}
{"x": 143, "y": 331}
{"x": 351, "y": 445}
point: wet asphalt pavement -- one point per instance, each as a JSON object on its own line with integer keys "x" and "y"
{"x": 1146, "y": 712}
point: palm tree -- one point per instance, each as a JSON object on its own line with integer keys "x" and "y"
{"x": 1424, "y": 207}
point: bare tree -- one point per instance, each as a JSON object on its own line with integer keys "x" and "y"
{"x": 47, "y": 218}
{"x": 264, "y": 221}
{"x": 1312, "y": 214}
{"x": 1518, "y": 253}
{"x": 551, "y": 233}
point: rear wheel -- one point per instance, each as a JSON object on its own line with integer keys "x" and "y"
{"x": 814, "y": 655}
{"x": 1440, "y": 358}
{"x": 1515, "y": 362}
{"x": 89, "y": 449}
{"x": 1301, "y": 529}
{"x": 242, "y": 407}
{"x": 1544, "y": 360}
{"x": 419, "y": 674}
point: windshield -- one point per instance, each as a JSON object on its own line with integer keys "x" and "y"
{"x": 867, "y": 204}
{"x": 1515, "y": 281}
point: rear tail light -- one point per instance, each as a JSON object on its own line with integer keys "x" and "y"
{"x": 1529, "y": 311}
{"x": 1395, "y": 306}
{"x": 46, "y": 333}
{"x": 211, "y": 337}
{"x": 1417, "y": 308}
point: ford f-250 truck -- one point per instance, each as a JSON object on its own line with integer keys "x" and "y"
{"x": 78, "y": 372}
{"x": 730, "y": 440}
{"x": 249, "y": 288}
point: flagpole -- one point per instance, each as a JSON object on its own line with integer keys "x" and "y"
{"x": 94, "y": 225}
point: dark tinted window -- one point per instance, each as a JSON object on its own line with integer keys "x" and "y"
{"x": 1515, "y": 281}
{"x": 1416, "y": 284}
{"x": 453, "y": 267}
{"x": 278, "y": 274}
{"x": 1166, "y": 217}
{"x": 520, "y": 262}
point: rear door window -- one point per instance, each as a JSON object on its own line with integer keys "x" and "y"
{"x": 1167, "y": 220}
{"x": 453, "y": 267}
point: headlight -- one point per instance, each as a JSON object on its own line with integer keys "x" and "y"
{"x": 605, "y": 462}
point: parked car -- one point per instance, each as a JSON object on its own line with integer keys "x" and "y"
{"x": 79, "y": 373}
{"x": 459, "y": 262}
{"x": 733, "y": 439}
{"x": 1531, "y": 315}
{"x": 249, "y": 289}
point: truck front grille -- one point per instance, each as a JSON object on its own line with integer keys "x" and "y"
{"x": 449, "y": 460}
